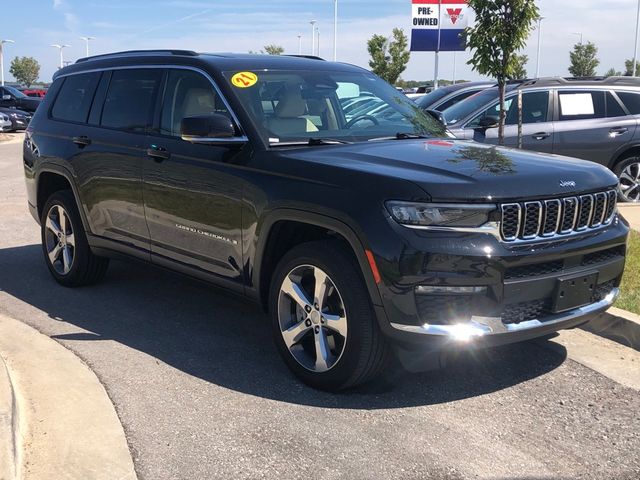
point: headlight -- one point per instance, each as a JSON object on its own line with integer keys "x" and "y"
{"x": 441, "y": 215}
{"x": 14, "y": 115}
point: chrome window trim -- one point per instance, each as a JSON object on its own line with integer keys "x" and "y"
{"x": 167, "y": 67}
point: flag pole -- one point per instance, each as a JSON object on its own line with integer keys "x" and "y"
{"x": 435, "y": 79}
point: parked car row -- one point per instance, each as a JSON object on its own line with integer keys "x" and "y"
{"x": 591, "y": 119}
{"x": 16, "y": 109}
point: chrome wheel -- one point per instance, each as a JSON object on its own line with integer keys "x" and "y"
{"x": 312, "y": 317}
{"x": 59, "y": 240}
{"x": 630, "y": 183}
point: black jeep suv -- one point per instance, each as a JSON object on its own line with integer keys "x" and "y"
{"x": 362, "y": 234}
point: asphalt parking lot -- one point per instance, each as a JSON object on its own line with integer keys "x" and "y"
{"x": 202, "y": 394}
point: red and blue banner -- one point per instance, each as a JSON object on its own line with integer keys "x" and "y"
{"x": 437, "y": 25}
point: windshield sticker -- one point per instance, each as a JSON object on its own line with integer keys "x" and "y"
{"x": 244, "y": 79}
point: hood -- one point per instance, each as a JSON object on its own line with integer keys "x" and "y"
{"x": 9, "y": 111}
{"x": 456, "y": 170}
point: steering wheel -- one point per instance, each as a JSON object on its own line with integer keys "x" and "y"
{"x": 359, "y": 118}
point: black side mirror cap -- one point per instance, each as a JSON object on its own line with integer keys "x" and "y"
{"x": 490, "y": 121}
{"x": 211, "y": 128}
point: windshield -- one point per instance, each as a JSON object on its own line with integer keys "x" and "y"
{"x": 299, "y": 105}
{"x": 15, "y": 92}
{"x": 462, "y": 110}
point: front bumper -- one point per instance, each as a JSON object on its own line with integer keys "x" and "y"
{"x": 508, "y": 293}
{"x": 493, "y": 326}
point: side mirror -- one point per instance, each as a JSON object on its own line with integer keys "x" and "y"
{"x": 212, "y": 128}
{"x": 490, "y": 121}
{"x": 439, "y": 116}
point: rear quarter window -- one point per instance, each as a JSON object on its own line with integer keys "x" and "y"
{"x": 631, "y": 101}
{"x": 74, "y": 100}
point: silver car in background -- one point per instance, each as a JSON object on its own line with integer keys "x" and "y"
{"x": 593, "y": 119}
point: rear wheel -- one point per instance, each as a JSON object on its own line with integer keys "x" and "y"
{"x": 322, "y": 318}
{"x": 628, "y": 171}
{"x": 64, "y": 243}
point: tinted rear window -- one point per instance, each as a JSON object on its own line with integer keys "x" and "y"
{"x": 631, "y": 101}
{"x": 130, "y": 99}
{"x": 74, "y": 100}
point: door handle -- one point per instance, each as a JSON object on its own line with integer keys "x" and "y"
{"x": 82, "y": 141}
{"x": 159, "y": 154}
{"x": 541, "y": 135}
{"x": 617, "y": 131}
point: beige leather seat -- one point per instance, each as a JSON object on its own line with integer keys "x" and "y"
{"x": 198, "y": 101}
{"x": 288, "y": 115}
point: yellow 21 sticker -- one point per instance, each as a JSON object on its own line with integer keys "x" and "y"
{"x": 244, "y": 79}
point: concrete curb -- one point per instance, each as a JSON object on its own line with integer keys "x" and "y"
{"x": 65, "y": 424}
{"x": 618, "y": 325}
{"x": 9, "y": 427}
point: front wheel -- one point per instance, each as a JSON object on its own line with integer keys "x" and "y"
{"x": 322, "y": 319}
{"x": 628, "y": 171}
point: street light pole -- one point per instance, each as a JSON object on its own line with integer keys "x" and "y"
{"x": 313, "y": 37}
{"x": 318, "y": 30}
{"x": 60, "y": 48}
{"x": 539, "y": 44}
{"x": 335, "y": 30}
{"x": 2, "y": 42}
{"x": 580, "y": 34}
{"x": 87, "y": 39}
{"x": 299, "y": 44}
{"x": 635, "y": 47}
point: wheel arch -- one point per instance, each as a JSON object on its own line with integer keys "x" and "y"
{"x": 280, "y": 223}
{"x": 53, "y": 179}
{"x": 623, "y": 153}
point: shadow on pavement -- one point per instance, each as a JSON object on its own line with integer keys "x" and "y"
{"x": 222, "y": 339}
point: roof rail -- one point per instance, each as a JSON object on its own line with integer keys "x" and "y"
{"x": 310, "y": 57}
{"x": 133, "y": 53}
{"x": 586, "y": 81}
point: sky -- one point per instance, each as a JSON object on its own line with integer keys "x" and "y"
{"x": 243, "y": 25}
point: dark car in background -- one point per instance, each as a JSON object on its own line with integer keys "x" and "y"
{"x": 591, "y": 119}
{"x": 19, "y": 118}
{"x": 445, "y": 97}
{"x": 13, "y": 98}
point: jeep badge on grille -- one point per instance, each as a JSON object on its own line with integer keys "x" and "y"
{"x": 567, "y": 183}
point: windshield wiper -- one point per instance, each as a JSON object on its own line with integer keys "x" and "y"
{"x": 401, "y": 136}
{"x": 312, "y": 142}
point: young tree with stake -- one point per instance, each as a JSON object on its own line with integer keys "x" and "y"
{"x": 501, "y": 29}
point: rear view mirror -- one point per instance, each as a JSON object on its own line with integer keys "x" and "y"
{"x": 212, "y": 128}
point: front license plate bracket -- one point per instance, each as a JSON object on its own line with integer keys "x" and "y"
{"x": 575, "y": 291}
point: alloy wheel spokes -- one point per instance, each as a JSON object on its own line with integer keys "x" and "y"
{"x": 630, "y": 183}
{"x": 59, "y": 240}
{"x": 312, "y": 318}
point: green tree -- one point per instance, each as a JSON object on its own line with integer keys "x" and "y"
{"x": 584, "y": 60}
{"x": 502, "y": 28}
{"x": 273, "y": 49}
{"x": 628, "y": 68}
{"x": 612, "y": 72}
{"x": 389, "y": 58}
{"x": 519, "y": 70}
{"x": 25, "y": 70}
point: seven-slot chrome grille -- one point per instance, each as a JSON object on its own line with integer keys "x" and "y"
{"x": 558, "y": 216}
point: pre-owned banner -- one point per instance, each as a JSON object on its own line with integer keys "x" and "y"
{"x": 437, "y": 25}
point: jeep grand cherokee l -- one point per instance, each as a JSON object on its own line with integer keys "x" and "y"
{"x": 361, "y": 237}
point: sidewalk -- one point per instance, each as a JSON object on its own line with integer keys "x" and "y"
{"x": 631, "y": 213}
{"x": 56, "y": 420}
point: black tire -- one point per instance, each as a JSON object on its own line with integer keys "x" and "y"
{"x": 86, "y": 268}
{"x": 619, "y": 168}
{"x": 365, "y": 349}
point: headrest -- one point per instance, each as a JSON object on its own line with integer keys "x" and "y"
{"x": 291, "y": 104}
